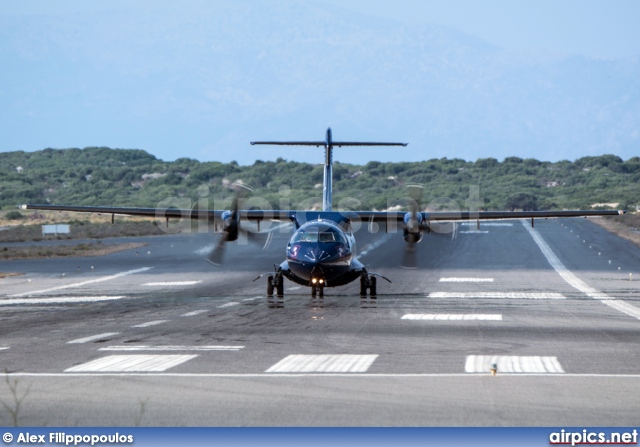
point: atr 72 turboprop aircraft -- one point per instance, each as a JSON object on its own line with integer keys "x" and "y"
{"x": 322, "y": 251}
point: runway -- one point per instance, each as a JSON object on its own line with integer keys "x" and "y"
{"x": 159, "y": 337}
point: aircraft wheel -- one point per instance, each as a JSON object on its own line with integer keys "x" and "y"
{"x": 373, "y": 289}
{"x": 280, "y": 288}
{"x": 363, "y": 288}
{"x": 269, "y": 286}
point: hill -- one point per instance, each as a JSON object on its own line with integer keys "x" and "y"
{"x": 123, "y": 177}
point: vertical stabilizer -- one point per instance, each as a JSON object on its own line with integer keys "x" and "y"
{"x": 328, "y": 144}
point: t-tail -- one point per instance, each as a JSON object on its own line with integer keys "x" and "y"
{"x": 328, "y": 144}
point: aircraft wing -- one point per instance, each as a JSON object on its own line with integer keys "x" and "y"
{"x": 169, "y": 213}
{"x": 370, "y": 216}
{"x": 384, "y": 216}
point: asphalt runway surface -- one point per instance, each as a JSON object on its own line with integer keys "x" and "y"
{"x": 158, "y": 337}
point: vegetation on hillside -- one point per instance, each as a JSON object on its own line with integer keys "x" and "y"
{"x": 118, "y": 177}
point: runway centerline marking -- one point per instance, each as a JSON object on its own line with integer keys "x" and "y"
{"x": 512, "y": 364}
{"x": 474, "y": 232}
{"x": 252, "y": 299}
{"x": 453, "y": 317}
{"x": 132, "y": 363}
{"x": 93, "y": 337}
{"x": 324, "y": 363}
{"x": 4, "y": 348}
{"x": 59, "y": 300}
{"x": 83, "y": 283}
{"x": 150, "y": 323}
{"x": 577, "y": 283}
{"x": 172, "y": 283}
{"x": 466, "y": 279}
{"x": 170, "y": 348}
{"x": 511, "y": 295}
{"x": 193, "y": 313}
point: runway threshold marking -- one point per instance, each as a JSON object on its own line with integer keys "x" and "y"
{"x": 93, "y": 337}
{"x": 170, "y": 348}
{"x": 172, "y": 283}
{"x": 511, "y": 295}
{"x": 83, "y": 283}
{"x": 193, "y": 313}
{"x": 59, "y": 300}
{"x": 466, "y": 279}
{"x": 513, "y": 364}
{"x": 150, "y": 323}
{"x": 577, "y": 283}
{"x": 324, "y": 363}
{"x": 453, "y": 317}
{"x": 133, "y": 363}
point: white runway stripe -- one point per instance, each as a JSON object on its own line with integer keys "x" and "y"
{"x": 466, "y": 279}
{"x": 474, "y": 232}
{"x": 293, "y": 288}
{"x": 172, "y": 283}
{"x": 453, "y": 317}
{"x": 83, "y": 283}
{"x": 344, "y": 363}
{"x": 132, "y": 363}
{"x": 488, "y": 224}
{"x": 252, "y": 299}
{"x": 59, "y": 300}
{"x": 577, "y": 283}
{"x": 170, "y": 348}
{"x": 93, "y": 337}
{"x": 194, "y": 313}
{"x": 512, "y": 364}
{"x": 150, "y": 323}
{"x": 232, "y": 303}
{"x": 512, "y": 295}
{"x": 4, "y": 348}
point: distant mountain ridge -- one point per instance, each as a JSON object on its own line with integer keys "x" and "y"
{"x": 203, "y": 78}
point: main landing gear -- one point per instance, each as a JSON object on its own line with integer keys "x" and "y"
{"x": 368, "y": 282}
{"x": 275, "y": 282}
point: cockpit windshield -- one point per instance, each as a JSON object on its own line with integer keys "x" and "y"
{"x": 313, "y": 235}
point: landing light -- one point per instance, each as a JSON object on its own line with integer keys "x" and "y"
{"x": 321, "y": 281}
{"x": 314, "y": 280}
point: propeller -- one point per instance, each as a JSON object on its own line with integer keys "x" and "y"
{"x": 412, "y": 228}
{"x": 231, "y": 228}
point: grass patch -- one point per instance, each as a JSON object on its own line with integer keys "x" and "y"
{"x": 63, "y": 250}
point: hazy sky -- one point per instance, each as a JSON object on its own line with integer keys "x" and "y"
{"x": 199, "y": 77}
{"x": 596, "y": 28}
{"x": 589, "y": 27}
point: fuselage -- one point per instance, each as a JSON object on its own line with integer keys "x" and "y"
{"x": 321, "y": 252}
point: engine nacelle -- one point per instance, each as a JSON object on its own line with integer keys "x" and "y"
{"x": 230, "y": 225}
{"x": 412, "y": 228}
{"x": 412, "y": 238}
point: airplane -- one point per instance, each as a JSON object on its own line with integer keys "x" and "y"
{"x": 322, "y": 250}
